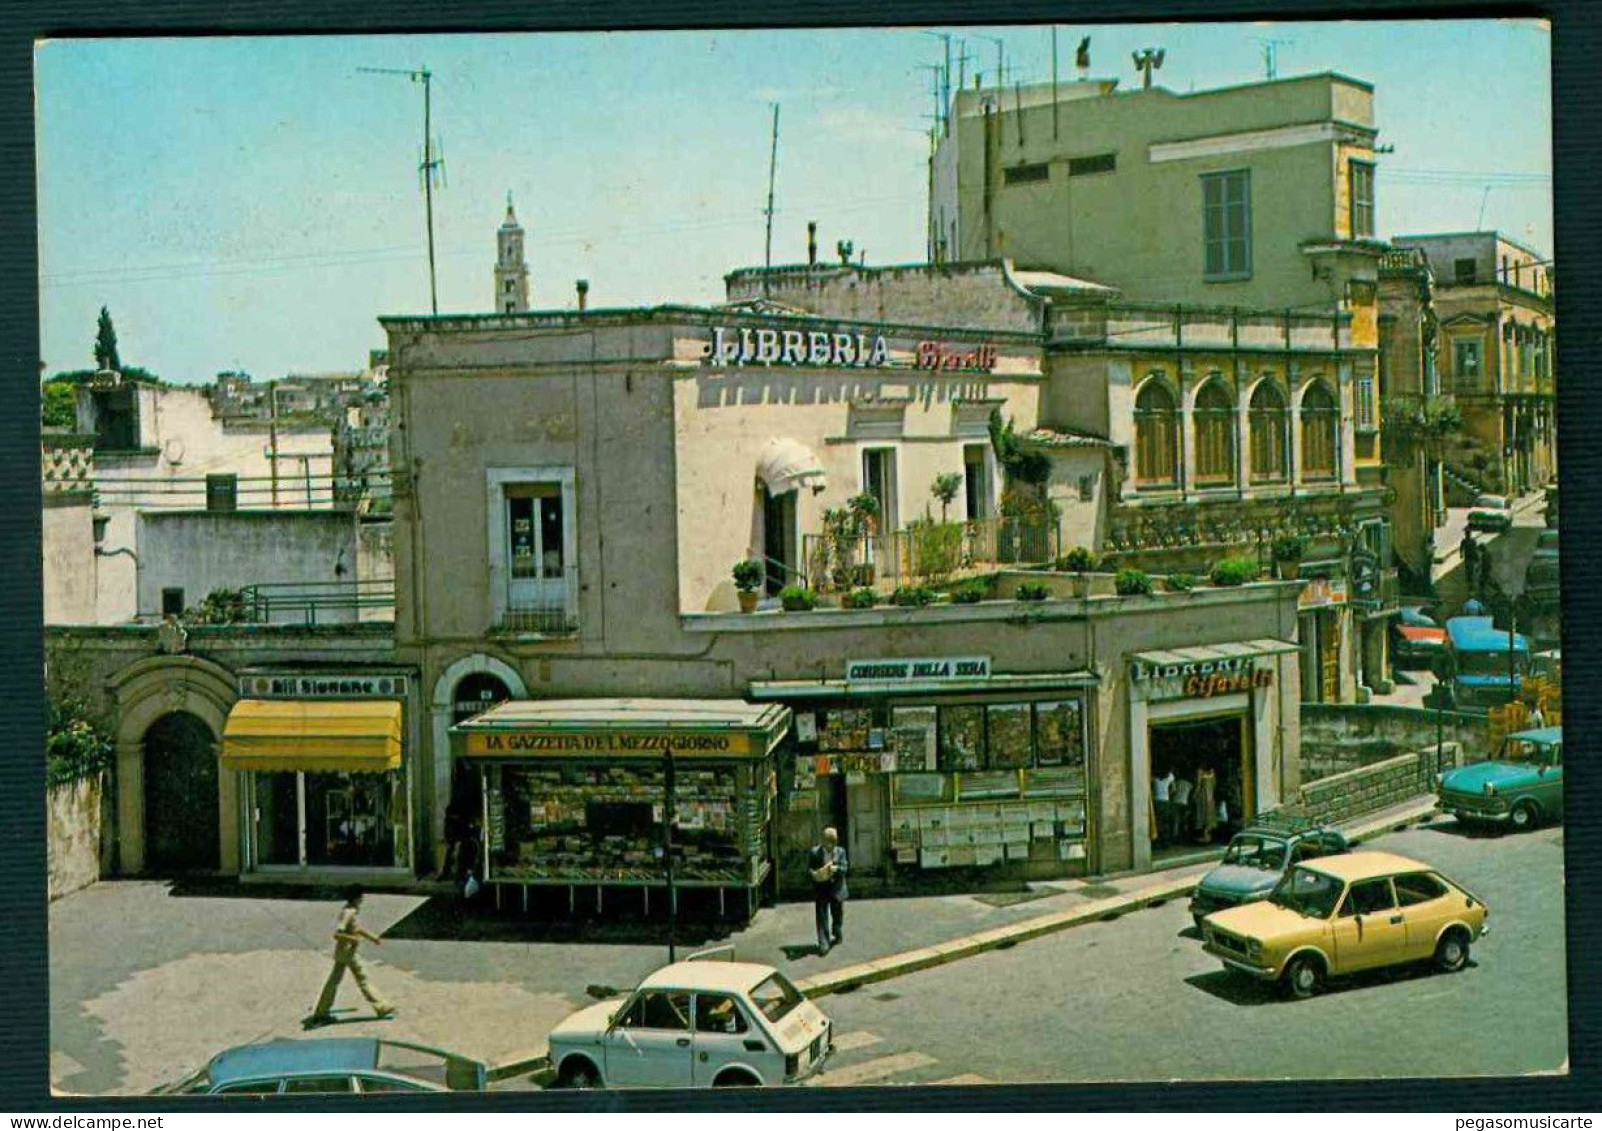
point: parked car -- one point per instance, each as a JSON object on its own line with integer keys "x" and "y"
{"x": 1520, "y": 787}
{"x": 1546, "y": 544}
{"x": 336, "y": 1065}
{"x": 1257, "y": 859}
{"x": 1552, "y": 505}
{"x": 1492, "y": 513}
{"x": 1417, "y": 641}
{"x": 1475, "y": 672}
{"x": 1347, "y": 913}
{"x": 694, "y": 1024}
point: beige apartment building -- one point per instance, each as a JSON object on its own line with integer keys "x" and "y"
{"x": 1493, "y": 301}
{"x": 572, "y": 492}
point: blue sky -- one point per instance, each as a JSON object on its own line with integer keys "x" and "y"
{"x": 254, "y": 203}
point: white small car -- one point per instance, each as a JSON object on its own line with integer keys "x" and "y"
{"x": 697, "y": 1024}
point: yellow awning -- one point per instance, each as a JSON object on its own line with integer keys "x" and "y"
{"x": 313, "y": 734}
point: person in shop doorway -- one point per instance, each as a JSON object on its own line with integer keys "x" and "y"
{"x": 1206, "y": 803}
{"x": 348, "y": 935}
{"x": 1163, "y": 790}
{"x": 1180, "y": 805}
{"x": 827, "y": 865}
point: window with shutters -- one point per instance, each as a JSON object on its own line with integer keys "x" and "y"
{"x": 1270, "y": 435}
{"x": 1156, "y": 437}
{"x": 1214, "y": 421}
{"x": 1320, "y": 432}
{"x": 1227, "y": 225}
{"x": 1361, "y": 176}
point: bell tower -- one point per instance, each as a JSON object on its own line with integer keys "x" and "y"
{"x": 511, "y": 272}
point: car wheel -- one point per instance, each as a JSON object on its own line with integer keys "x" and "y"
{"x": 735, "y": 1080}
{"x": 1452, "y": 952}
{"x": 1523, "y": 816}
{"x": 578, "y": 1074}
{"x": 1303, "y": 977}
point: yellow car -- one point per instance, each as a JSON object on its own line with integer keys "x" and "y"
{"x": 1341, "y": 914}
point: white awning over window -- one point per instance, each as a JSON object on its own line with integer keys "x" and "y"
{"x": 788, "y": 465}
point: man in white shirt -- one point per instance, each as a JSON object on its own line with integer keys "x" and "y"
{"x": 1162, "y": 789}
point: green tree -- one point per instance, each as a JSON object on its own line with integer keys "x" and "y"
{"x": 106, "y": 342}
{"x": 58, "y": 405}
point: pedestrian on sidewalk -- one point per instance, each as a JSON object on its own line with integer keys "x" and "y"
{"x": 828, "y": 866}
{"x": 348, "y": 935}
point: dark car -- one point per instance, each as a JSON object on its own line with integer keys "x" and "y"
{"x": 334, "y": 1066}
{"x": 1257, "y": 859}
{"x": 1491, "y": 513}
{"x": 1417, "y": 641}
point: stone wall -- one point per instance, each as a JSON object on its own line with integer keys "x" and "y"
{"x": 1339, "y": 737}
{"x": 73, "y": 835}
{"x": 1380, "y": 785}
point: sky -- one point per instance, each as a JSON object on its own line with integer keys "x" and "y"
{"x": 255, "y": 204}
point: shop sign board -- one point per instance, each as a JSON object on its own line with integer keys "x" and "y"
{"x": 892, "y": 672}
{"x": 353, "y": 685}
{"x": 1200, "y": 679}
{"x": 644, "y": 744}
{"x": 1322, "y": 591}
{"x": 746, "y": 345}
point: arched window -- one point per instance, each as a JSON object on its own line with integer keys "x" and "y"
{"x": 1215, "y": 435}
{"x": 1156, "y": 437}
{"x": 1320, "y": 427}
{"x": 1270, "y": 433}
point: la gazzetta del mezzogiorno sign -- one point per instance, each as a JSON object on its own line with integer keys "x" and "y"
{"x": 1200, "y": 679}
{"x": 611, "y": 744}
{"x": 746, "y": 345}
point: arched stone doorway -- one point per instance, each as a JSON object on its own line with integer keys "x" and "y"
{"x": 181, "y": 795}
{"x": 144, "y": 693}
{"x": 472, "y": 684}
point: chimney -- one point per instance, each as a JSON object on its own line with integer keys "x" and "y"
{"x": 583, "y": 288}
{"x": 812, "y": 243}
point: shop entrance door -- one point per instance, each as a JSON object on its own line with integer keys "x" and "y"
{"x": 865, "y": 842}
{"x": 1211, "y": 760}
{"x": 181, "y": 827}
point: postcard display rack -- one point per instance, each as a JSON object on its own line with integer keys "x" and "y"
{"x": 600, "y": 824}
{"x": 970, "y": 784}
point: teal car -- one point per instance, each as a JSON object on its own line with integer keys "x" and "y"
{"x": 1521, "y": 787}
{"x": 1257, "y": 859}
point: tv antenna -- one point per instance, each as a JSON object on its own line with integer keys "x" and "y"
{"x": 1479, "y": 224}
{"x": 1147, "y": 60}
{"x": 1271, "y": 55}
{"x": 1001, "y": 60}
{"x": 428, "y": 166}
{"x": 773, "y": 165}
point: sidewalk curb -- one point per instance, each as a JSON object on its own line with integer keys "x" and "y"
{"x": 908, "y": 962}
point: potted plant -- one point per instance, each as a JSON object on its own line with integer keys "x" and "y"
{"x": 1179, "y": 583}
{"x": 1234, "y": 571}
{"x": 1287, "y": 551}
{"x": 969, "y": 593}
{"x": 1033, "y": 591}
{"x": 797, "y": 599}
{"x": 1078, "y": 561}
{"x": 1132, "y": 583}
{"x": 945, "y": 488}
{"x": 748, "y": 576}
{"x": 863, "y": 598}
{"x": 912, "y": 596}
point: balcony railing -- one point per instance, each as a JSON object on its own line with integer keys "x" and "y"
{"x": 932, "y": 552}
{"x": 546, "y": 608}
{"x": 339, "y": 602}
{"x": 1146, "y": 325}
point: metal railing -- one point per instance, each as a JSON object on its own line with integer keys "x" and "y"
{"x": 553, "y": 612}
{"x": 927, "y": 552}
{"x": 289, "y": 490}
{"x": 314, "y": 602}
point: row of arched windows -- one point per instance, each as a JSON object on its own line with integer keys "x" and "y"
{"x": 1158, "y": 437}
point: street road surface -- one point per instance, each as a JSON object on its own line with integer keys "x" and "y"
{"x": 1136, "y": 998}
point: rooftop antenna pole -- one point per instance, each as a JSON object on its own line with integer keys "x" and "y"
{"x": 1147, "y": 60}
{"x": 773, "y": 164}
{"x": 1479, "y": 224}
{"x": 1271, "y": 55}
{"x": 1001, "y": 60}
{"x": 1054, "y": 82}
{"x": 429, "y": 166}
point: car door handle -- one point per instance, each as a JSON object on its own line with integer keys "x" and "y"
{"x": 683, "y": 1042}
{"x": 1395, "y": 919}
{"x": 755, "y": 1046}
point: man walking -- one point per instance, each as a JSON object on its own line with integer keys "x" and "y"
{"x": 827, "y": 865}
{"x": 347, "y": 937}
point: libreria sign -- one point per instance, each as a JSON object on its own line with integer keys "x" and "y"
{"x": 746, "y": 346}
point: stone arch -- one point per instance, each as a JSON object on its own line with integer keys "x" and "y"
{"x": 475, "y": 663}
{"x": 142, "y": 693}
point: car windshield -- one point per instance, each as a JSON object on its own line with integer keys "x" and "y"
{"x": 776, "y": 997}
{"x": 1256, "y": 852}
{"x": 1308, "y": 893}
{"x": 1534, "y": 753}
{"x": 1484, "y": 663}
{"x": 1492, "y": 502}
